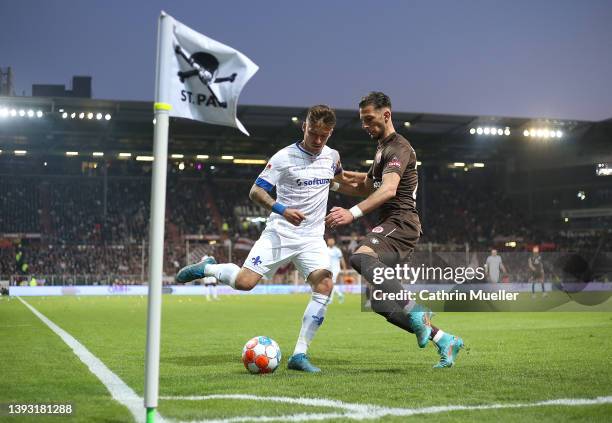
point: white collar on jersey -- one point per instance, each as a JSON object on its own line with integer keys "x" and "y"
{"x": 297, "y": 144}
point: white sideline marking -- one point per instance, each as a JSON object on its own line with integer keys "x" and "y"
{"x": 120, "y": 392}
{"x": 366, "y": 411}
{"x": 127, "y": 397}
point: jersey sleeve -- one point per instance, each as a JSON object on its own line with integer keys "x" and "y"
{"x": 268, "y": 178}
{"x": 337, "y": 166}
{"x": 397, "y": 158}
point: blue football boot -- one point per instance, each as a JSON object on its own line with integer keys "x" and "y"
{"x": 420, "y": 323}
{"x": 194, "y": 271}
{"x": 448, "y": 347}
{"x": 302, "y": 363}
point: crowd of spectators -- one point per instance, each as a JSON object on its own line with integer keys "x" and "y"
{"x": 19, "y": 205}
{"x": 468, "y": 208}
{"x": 97, "y": 261}
{"x": 91, "y": 226}
{"x": 79, "y": 213}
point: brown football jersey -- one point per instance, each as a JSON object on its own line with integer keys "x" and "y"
{"x": 395, "y": 154}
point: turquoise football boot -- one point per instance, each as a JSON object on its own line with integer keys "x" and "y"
{"x": 448, "y": 347}
{"x": 302, "y": 363}
{"x": 420, "y": 323}
{"x": 194, "y": 271}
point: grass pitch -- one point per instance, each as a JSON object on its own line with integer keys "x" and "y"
{"x": 512, "y": 358}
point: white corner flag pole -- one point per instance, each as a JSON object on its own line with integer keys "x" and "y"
{"x": 158, "y": 208}
{"x": 170, "y": 59}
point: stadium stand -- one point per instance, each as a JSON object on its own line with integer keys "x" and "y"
{"x": 85, "y": 220}
{"x": 81, "y": 239}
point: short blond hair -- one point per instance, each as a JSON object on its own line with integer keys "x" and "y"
{"x": 321, "y": 115}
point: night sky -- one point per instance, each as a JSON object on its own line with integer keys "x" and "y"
{"x": 512, "y": 58}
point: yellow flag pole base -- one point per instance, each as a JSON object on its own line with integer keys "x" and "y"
{"x": 162, "y": 106}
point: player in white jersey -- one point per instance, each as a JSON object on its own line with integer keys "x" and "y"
{"x": 302, "y": 173}
{"x": 337, "y": 264}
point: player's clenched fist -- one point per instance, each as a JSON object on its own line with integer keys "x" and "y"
{"x": 294, "y": 216}
{"x": 338, "y": 217}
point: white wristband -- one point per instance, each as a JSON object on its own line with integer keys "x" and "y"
{"x": 356, "y": 212}
{"x": 334, "y": 186}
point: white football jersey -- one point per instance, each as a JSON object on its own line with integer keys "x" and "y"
{"x": 302, "y": 182}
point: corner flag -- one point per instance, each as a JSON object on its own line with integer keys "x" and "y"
{"x": 196, "y": 78}
{"x": 205, "y": 78}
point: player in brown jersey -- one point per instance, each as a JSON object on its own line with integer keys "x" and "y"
{"x": 390, "y": 186}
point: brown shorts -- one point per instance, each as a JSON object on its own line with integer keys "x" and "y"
{"x": 393, "y": 238}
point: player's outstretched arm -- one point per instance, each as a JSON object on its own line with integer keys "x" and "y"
{"x": 261, "y": 197}
{"x": 355, "y": 177}
{"x": 387, "y": 190}
{"x": 340, "y": 216}
{"x": 354, "y": 186}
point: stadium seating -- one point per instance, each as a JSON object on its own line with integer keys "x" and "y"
{"x": 81, "y": 233}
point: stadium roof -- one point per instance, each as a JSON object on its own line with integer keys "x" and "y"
{"x": 436, "y": 137}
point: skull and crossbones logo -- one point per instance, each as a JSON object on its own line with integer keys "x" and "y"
{"x": 206, "y": 67}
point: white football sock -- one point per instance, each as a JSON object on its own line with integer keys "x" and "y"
{"x": 225, "y": 273}
{"x": 311, "y": 322}
{"x": 214, "y": 291}
{"x": 438, "y": 336}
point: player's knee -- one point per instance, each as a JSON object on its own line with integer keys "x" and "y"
{"x": 245, "y": 285}
{"x": 246, "y": 282}
{"x": 326, "y": 286}
{"x": 321, "y": 282}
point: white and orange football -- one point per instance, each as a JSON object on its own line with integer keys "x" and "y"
{"x": 261, "y": 355}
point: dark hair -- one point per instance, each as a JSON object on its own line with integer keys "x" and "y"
{"x": 321, "y": 114}
{"x": 377, "y": 99}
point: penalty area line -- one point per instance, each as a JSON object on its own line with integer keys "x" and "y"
{"x": 367, "y": 411}
{"x": 118, "y": 389}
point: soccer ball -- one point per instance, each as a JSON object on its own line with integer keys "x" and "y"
{"x": 261, "y": 355}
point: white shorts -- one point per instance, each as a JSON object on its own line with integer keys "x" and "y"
{"x": 273, "y": 250}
